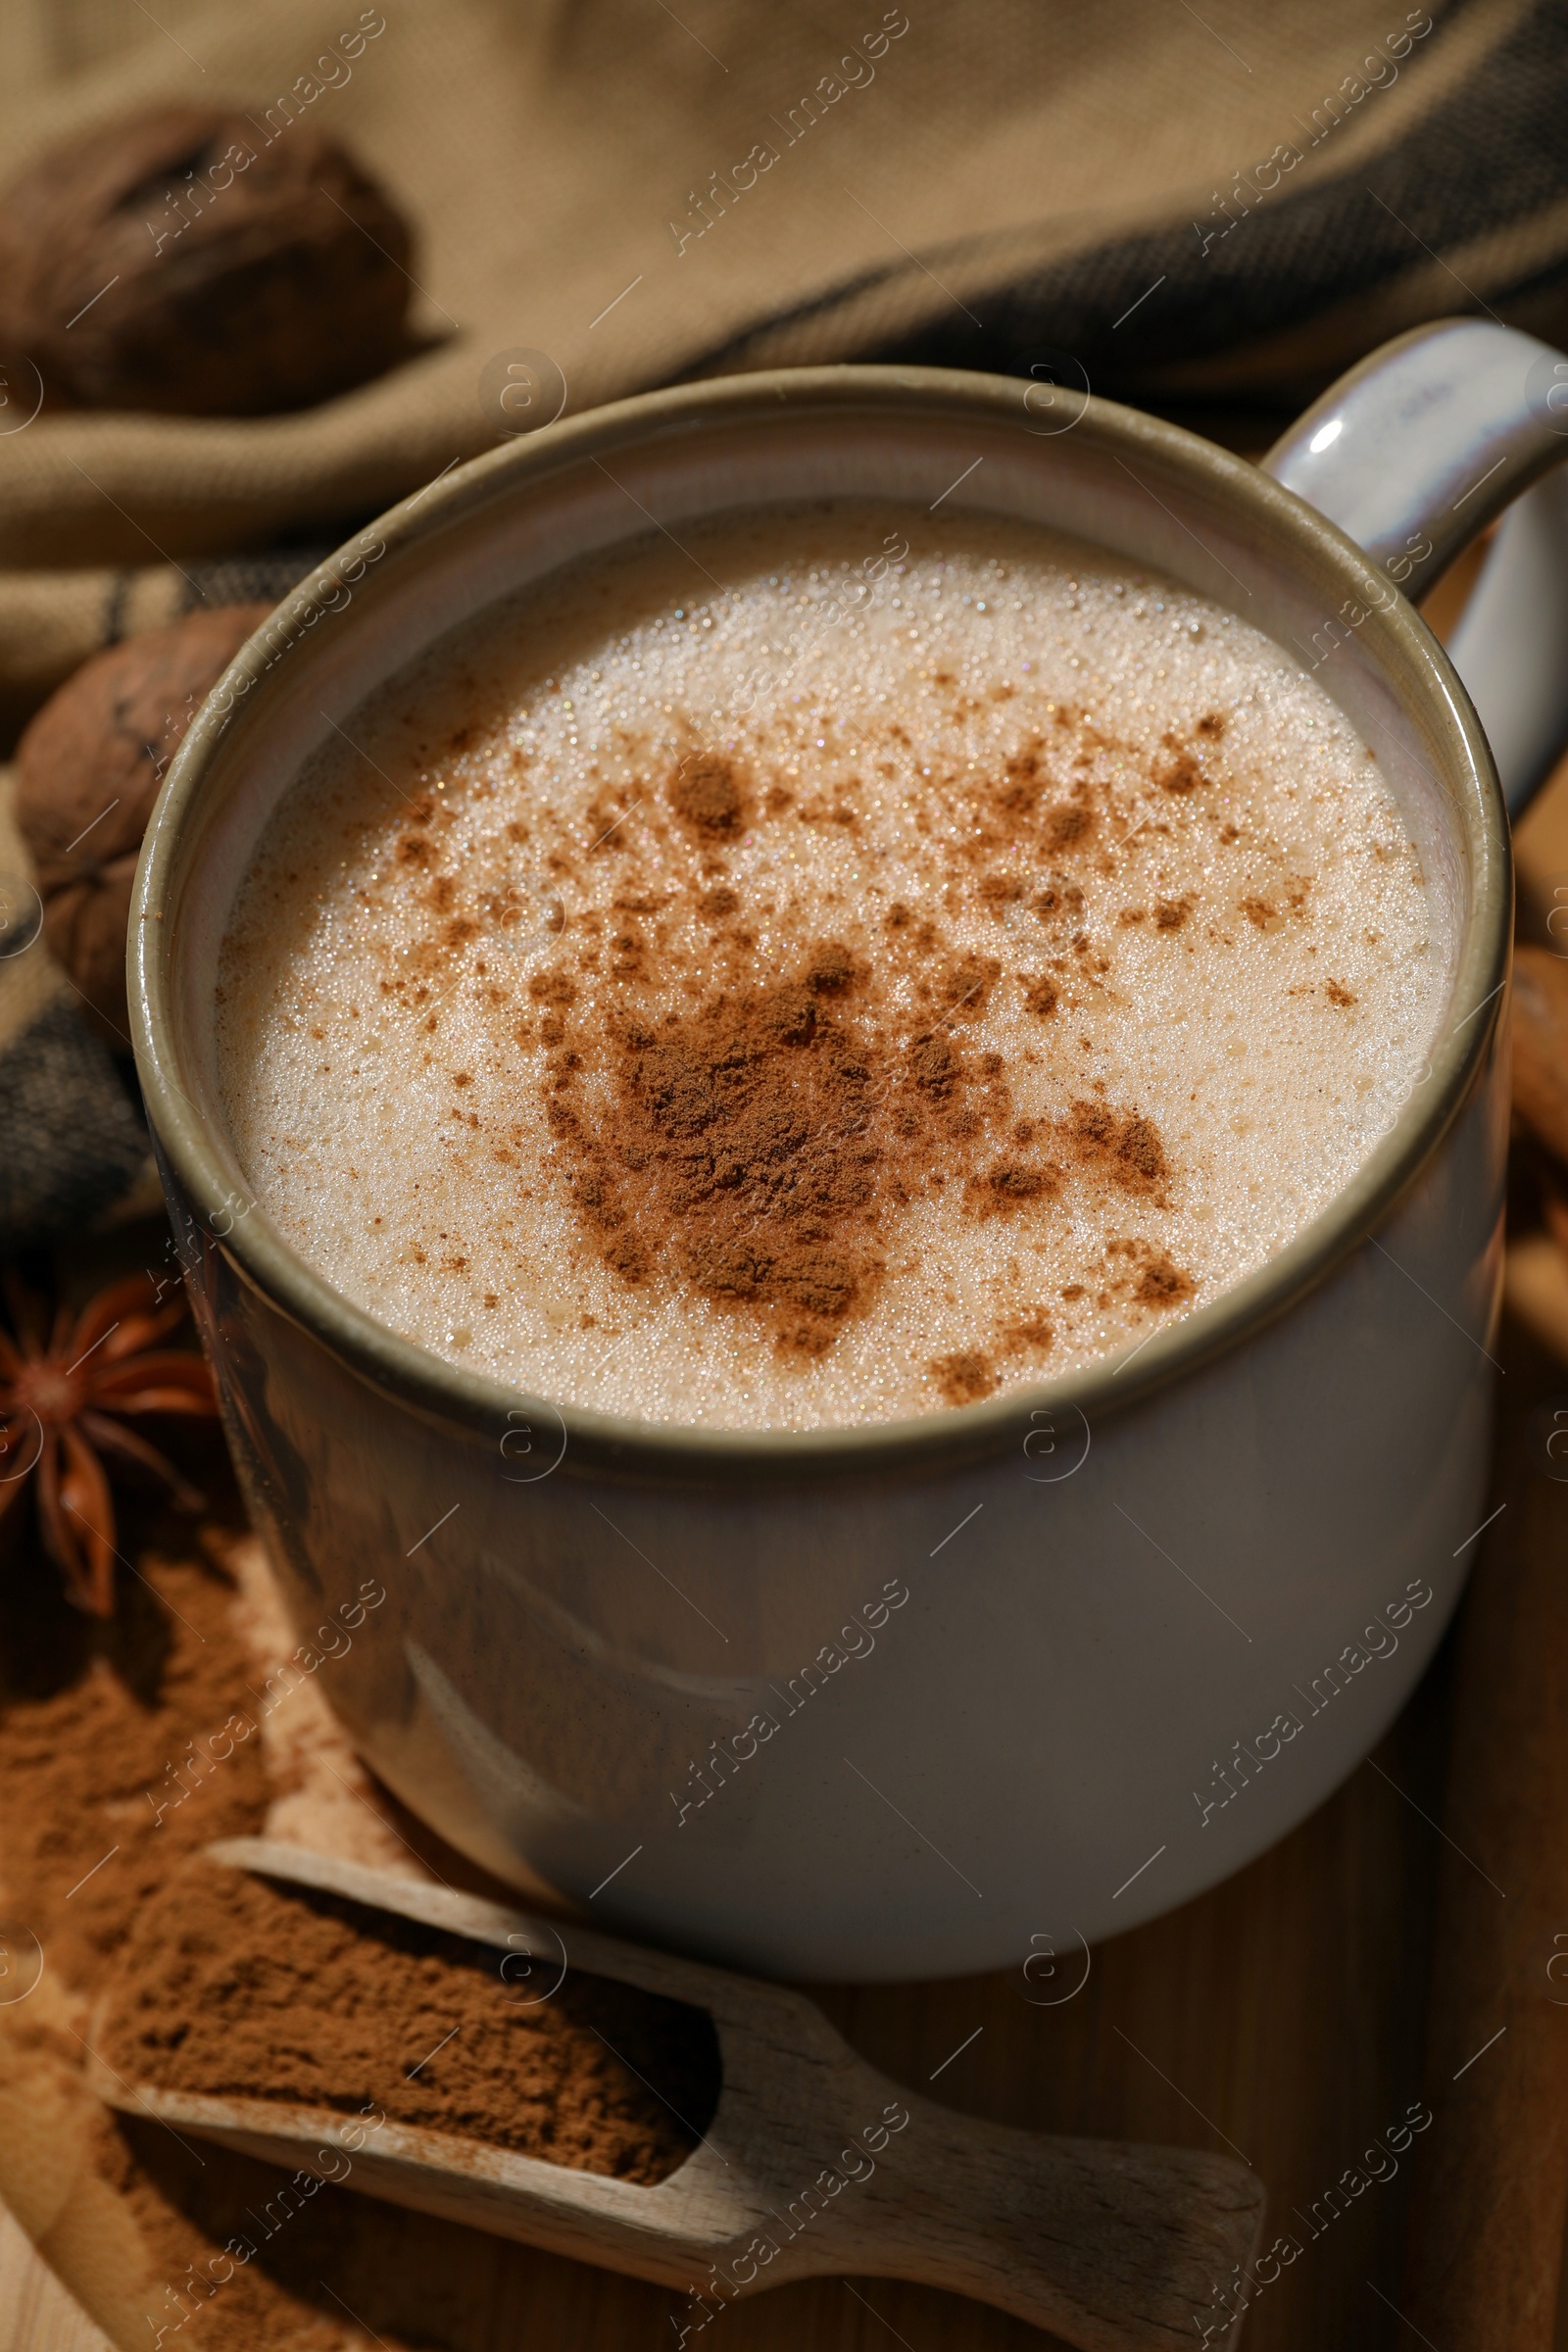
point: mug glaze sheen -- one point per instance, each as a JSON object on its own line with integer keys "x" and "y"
{"x": 892, "y": 1701}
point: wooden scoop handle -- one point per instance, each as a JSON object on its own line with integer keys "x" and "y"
{"x": 1113, "y": 2247}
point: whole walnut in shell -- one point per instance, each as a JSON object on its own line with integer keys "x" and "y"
{"x": 181, "y": 260}
{"x": 88, "y": 770}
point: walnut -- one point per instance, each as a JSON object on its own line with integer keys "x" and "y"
{"x": 88, "y": 770}
{"x": 179, "y": 259}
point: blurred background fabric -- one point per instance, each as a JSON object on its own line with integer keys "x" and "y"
{"x": 1211, "y": 213}
{"x": 1194, "y": 209}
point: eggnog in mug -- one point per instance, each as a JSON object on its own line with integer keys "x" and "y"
{"x": 834, "y": 969}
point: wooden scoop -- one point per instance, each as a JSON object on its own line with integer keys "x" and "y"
{"x": 812, "y": 2162}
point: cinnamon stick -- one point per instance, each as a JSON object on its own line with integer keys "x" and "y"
{"x": 1490, "y": 2196}
{"x": 1540, "y": 1045}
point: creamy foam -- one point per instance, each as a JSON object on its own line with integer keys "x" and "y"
{"x": 840, "y": 966}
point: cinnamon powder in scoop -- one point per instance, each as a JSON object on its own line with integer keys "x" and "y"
{"x": 91, "y": 1718}
{"x": 241, "y": 1987}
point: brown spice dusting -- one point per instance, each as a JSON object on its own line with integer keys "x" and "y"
{"x": 1058, "y": 897}
{"x": 300, "y": 2254}
{"x": 936, "y": 1065}
{"x": 553, "y": 988}
{"x": 1020, "y": 793}
{"x": 964, "y": 1377}
{"x": 968, "y": 984}
{"x": 1127, "y": 1148}
{"x": 831, "y": 971}
{"x": 1152, "y": 1278}
{"x": 1181, "y": 773}
{"x": 1171, "y": 913}
{"x": 1161, "y": 1283}
{"x": 630, "y": 957}
{"x": 89, "y": 1723}
{"x": 705, "y": 791}
{"x": 742, "y": 1147}
{"x": 1065, "y": 824}
{"x": 1012, "y": 1183}
{"x": 715, "y": 903}
{"x": 1337, "y": 993}
{"x": 750, "y": 1146}
{"x": 609, "y": 838}
{"x": 245, "y": 1989}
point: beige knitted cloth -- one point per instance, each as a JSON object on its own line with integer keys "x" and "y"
{"x": 640, "y": 191}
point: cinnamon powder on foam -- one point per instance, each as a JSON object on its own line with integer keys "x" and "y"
{"x": 762, "y": 1144}
{"x": 920, "y": 1029}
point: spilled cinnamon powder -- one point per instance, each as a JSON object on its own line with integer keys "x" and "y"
{"x": 96, "y": 1748}
{"x": 221, "y": 2252}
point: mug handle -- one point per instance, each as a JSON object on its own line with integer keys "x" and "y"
{"x": 1413, "y": 453}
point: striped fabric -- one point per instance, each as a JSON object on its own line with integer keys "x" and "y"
{"x": 1209, "y": 211}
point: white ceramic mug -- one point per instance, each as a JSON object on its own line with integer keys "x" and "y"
{"x": 896, "y": 1701}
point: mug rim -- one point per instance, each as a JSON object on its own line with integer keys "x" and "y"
{"x": 600, "y": 1441}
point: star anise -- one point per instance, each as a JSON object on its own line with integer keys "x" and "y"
{"x": 64, "y": 1381}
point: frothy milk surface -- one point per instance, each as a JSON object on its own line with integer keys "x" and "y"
{"x": 834, "y": 970}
